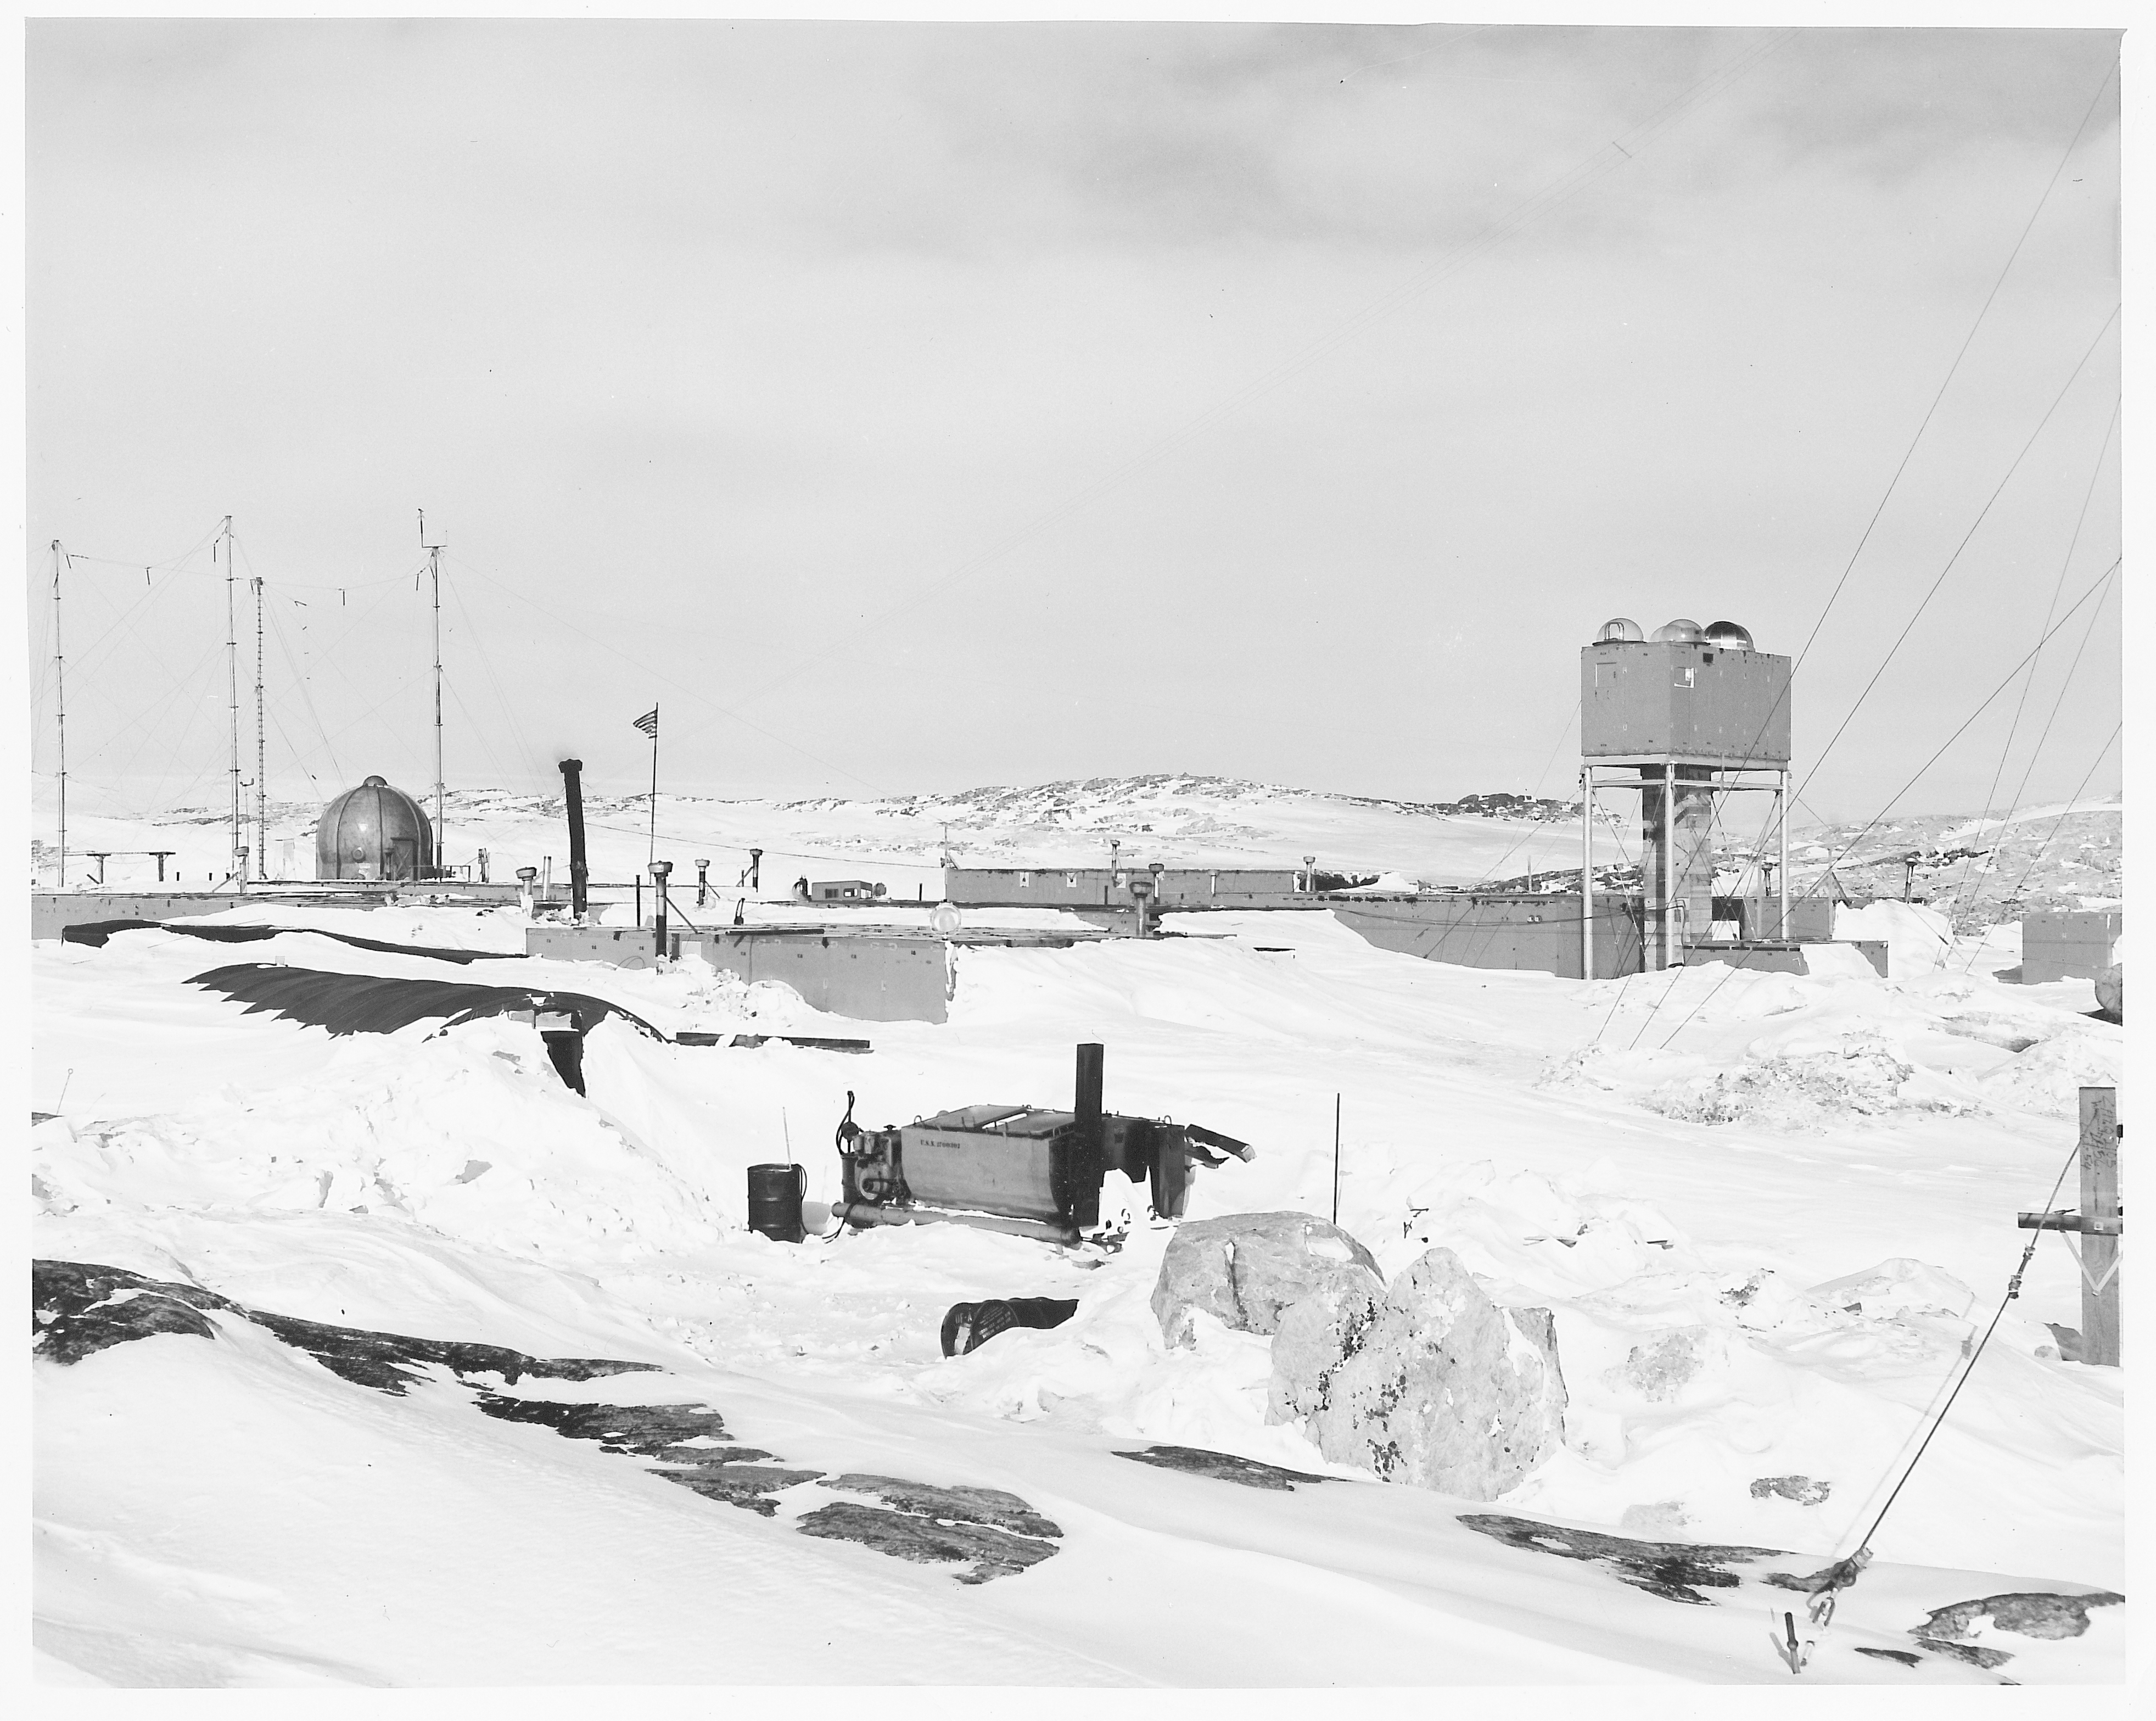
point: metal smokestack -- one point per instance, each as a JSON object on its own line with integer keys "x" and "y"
{"x": 572, "y": 794}
{"x": 659, "y": 870}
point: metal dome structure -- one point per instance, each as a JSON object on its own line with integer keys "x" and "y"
{"x": 1729, "y": 635}
{"x": 374, "y": 831}
{"x": 1683, "y": 630}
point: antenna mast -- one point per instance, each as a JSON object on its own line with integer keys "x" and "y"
{"x": 261, "y": 752}
{"x": 441, "y": 821}
{"x": 232, "y": 685}
{"x": 59, "y": 688}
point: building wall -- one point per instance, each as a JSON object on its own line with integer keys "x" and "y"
{"x": 1811, "y": 918}
{"x": 870, "y": 978}
{"x": 1708, "y": 704}
{"x": 1541, "y": 934}
{"x": 1788, "y": 958}
{"x": 1535, "y": 932}
{"x": 2075, "y": 945}
{"x": 53, "y": 912}
{"x": 1102, "y": 886}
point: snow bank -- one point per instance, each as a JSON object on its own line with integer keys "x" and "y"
{"x": 469, "y": 1133}
{"x": 1919, "y": 940}
{"x": 2047, "y": 1078}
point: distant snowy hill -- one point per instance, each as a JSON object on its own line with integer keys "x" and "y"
{"x": 1981, "y": 870}
{"x": 1181, "y": 821}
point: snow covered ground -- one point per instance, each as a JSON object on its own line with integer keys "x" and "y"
{"x": 1767, "y": 1212}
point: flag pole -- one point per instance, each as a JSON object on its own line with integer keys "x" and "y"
{"x": 651, "y": 848}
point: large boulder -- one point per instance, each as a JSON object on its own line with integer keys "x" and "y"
{"x": 1429, "y": 1383}
{"x": 1248, "y": 1267}
{"x": 1315, "y": 1335}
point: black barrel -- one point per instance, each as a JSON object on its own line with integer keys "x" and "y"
{"x": 774, "y": 1201}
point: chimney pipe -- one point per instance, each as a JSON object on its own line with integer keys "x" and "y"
{"x": 1086, "y": 1198}
{"x": 659, "y": 872}
{"x": 1087, "y": 1106}
{"x": 572, "y": 794}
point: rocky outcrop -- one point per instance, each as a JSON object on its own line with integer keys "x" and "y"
{"x": 1804, "y": 1490}
{"x": 2028, "y": 1613}
{"x": 1676, "y": 1571}
{"x": 992, "y": 1534}
{"x": 1223, "y": 1466}
{"x": 984, "y": 1552}
{"x": 952, "y": 1505}
{"x": 1248, "y": 1268}
{"x": 78, "y": 1309}
{"x": 1431, "y": 1384}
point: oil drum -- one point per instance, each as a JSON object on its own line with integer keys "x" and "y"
{"x": 774, "y": 1201}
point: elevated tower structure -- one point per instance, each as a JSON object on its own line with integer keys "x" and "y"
{"x": 1682, "y": 719}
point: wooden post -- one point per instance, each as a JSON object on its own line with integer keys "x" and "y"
{"x": 2100, "y": 1296}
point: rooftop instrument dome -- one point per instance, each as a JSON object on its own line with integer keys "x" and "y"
{"x": 374, "y": 832}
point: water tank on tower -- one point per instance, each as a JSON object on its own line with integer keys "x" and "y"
{"x": 374, "y": 831}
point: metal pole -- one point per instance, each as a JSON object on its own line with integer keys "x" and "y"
{"x": 441, "y": 816}
{"x": 1669, "y": 863}
{"x": 231, "y": 683}
{"x": 2101, "y": 1331}
{"x": 1335, "y": 1158}
{"x": 59, "y": 688}
{"x": 651, "y": 847}
{"x": 1586, "y": 872}
{"x": 261, "y": 753}
{"x": 1782, "y": 872}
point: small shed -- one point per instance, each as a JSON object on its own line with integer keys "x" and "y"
{"x": 844, "y": 890}
{"x": 2076, "y": 944}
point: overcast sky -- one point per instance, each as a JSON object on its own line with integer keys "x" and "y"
{"x": 913, "y": 407}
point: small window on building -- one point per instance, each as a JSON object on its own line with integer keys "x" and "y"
{"x": 1024, "y": 881}
{"x": 1072, "y": 880}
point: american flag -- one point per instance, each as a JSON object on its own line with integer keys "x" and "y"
{"x": 649, "y": 722}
